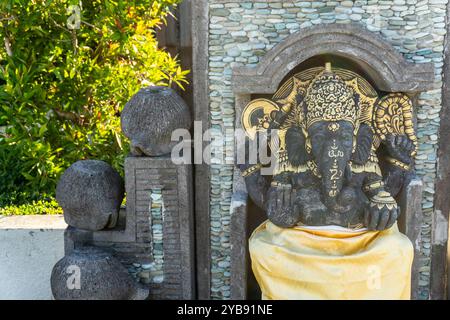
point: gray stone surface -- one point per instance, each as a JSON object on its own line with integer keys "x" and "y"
{"x": 239, "y": 245}
{"x": 89, "y": 273}
{"x": 409, "y": 223}
{"x": 415, "y": 30}
{"x": 150, "y": 183}
{"x": 440, "y": 271}
{"x": 29, "y": 248}
{"x": 154, "y": 240}
{"x": 200, "y": 38}
{"x": 90, "y": 193}
{"x": 150, "y": 117}
{"x": 390, "y": 71}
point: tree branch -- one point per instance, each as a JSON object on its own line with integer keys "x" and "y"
{"x": 8, "y": 47}
{"x": 7, "y": 40}
{"x": 71, "y": 116}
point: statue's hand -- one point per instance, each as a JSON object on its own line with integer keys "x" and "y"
{"x": 383, "y": 218}
{"x": 280, "y": 206}
{"x": 399, "y": 147}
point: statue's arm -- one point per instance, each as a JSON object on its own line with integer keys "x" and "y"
{"x": 395, "y": 178}
{"x": 257, "y": 184}
{"x": 383, "y": 210}
{"x": 397, "y": 162}
{"x": 281, "y": 207}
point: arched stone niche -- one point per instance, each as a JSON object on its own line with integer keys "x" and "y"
{"x": 382, "y": 65}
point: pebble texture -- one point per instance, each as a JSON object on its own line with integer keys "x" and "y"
{"x": 88, "y": 273}
{"x": 150, "y": 117}
{"x": 153, "y": 272}
{"x": 90, "y": 193}
{"x": 241, "y": 32}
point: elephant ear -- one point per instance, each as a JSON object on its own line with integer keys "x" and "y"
{"x": 364, "y": 142}
{"x": 295, "y": 146}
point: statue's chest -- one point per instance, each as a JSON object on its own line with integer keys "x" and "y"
{"x": 306, "y": 180}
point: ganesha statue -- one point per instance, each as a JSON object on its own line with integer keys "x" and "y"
{"x": 343, "y": 152}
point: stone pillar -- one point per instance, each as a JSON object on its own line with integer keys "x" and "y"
{"x": 159, "y": 196}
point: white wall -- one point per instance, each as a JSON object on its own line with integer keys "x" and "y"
{"x": 29, "y": 248}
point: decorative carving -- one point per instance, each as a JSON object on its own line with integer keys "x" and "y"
{"x": 90, "y": 193}
{"x": 393, "y": 115}
{"x": 149, "y": 119}
{"x": 329, "y": 99}
{"x": 257, "y": 116}
{"x": 336, "y": 141}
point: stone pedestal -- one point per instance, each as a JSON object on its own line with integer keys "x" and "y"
{"x": 153, "y": 237}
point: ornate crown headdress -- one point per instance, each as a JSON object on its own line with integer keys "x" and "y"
{"x": 329, "y": 98}
{"x": 316, "y": 94}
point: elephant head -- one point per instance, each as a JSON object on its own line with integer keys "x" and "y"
{"x": 333, "y": 137}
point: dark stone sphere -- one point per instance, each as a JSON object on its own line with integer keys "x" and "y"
{"x": 90, "y": 273}
{"x": 90, "y": 193}
{"x": 150, "y": 117}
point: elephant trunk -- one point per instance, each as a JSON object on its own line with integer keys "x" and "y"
{"x": 335, "y": 171}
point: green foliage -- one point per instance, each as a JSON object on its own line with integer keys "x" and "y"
{"x": 36, "y": 207}
{"x": 63, "y": 86}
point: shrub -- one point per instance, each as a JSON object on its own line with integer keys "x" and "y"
{"x": 40, "y": 207}
{"x": 63, "y": 85}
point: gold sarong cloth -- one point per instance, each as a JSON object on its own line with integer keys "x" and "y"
{"x": 331, "y": 263}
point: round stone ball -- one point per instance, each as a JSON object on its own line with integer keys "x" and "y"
{"x": 90, "y": 193}
{"x": 89, "y": 273}
{"x": 150, "y": 117}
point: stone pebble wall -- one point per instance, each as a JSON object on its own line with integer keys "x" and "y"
{"x": 241, "y": 32}
{"x": 153, "y": 272}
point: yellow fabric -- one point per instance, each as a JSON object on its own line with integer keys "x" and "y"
{"x": 313, "y": 263}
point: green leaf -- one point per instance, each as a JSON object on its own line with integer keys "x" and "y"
{"x": 27, "y": 176}
{"x": 42, "y": 130}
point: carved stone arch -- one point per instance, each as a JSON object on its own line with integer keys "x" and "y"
{"x": 383, "y": 63}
